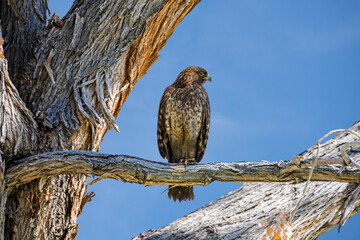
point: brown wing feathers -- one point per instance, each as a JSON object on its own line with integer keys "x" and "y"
{"x": 183, "y": 123}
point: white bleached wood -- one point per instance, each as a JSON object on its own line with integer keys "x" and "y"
{"x": 262, "y": 210}
{"x": 93, "y": 73}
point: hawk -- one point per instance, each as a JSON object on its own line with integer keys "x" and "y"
{"x": 183, "y": 123}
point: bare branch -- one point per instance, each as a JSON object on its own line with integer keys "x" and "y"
{"x": 63, "y": 90}
{"x": 345, "y": 157}
{"x": 137, "y": 170}
{"x": 264, "y": 210}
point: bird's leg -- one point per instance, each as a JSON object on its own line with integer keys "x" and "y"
{"x": 186, "y": 160}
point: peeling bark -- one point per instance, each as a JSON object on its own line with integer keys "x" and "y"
{"x": 62, "y": 86}
{"x": 3, "y": 196}
{"x": 263, "y": 210}
{"x": 18, "y": 127}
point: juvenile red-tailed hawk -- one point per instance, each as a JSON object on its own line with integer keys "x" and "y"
{"x": 183, "y": 123}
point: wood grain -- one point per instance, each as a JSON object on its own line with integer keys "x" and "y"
{"x": 62, "y": 86}
{"x": 263, "y": 210}
{"x": 141, "y": 171}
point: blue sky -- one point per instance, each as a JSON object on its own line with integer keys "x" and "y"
{"x": 284, "y": 74}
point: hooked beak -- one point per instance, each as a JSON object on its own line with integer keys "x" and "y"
{"x": 207, "y": 78}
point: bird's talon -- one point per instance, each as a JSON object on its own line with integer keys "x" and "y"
{"x": 183, "y": 160}
{"x": 186, "y": 160}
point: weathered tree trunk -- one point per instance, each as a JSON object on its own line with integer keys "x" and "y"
{"x": 264, "y": 210}
{"x": 62, "y": 86}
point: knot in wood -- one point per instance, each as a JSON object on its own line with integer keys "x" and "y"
{"x": 207, "y": 180}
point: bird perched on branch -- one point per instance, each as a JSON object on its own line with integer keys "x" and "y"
{"x": 183, "y": 123}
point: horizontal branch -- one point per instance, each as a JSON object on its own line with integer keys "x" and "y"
{"x": 137, "y": 170}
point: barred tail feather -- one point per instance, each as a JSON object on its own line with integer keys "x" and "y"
{"x": 185, "y": 193}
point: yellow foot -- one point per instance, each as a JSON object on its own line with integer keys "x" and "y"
{"x": 186, "y": 160}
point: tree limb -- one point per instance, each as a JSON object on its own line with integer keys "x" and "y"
{"x": 263, "y": 210}
{"x": 71, "y": 81}
{"x": 137, "y": 170}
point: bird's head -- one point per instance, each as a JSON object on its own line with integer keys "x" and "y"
{"x": 192, "y": 75}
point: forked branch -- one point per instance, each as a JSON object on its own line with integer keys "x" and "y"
{"x": 280, "y": 210}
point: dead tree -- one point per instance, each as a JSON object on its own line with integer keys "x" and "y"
{"x": 297, "y": 209}
{"x": 63, "y": 82}
{"x": 277, "y": 210}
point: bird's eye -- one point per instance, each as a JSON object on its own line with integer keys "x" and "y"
{"x": 201, "y": 74}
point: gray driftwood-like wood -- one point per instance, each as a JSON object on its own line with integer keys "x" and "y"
{"x": 263, "y": 210}
{"x": 141, "y": 171}
{"x": 63, "y": 83}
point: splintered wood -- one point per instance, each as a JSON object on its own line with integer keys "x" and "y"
{"x": 262, "y": 210}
